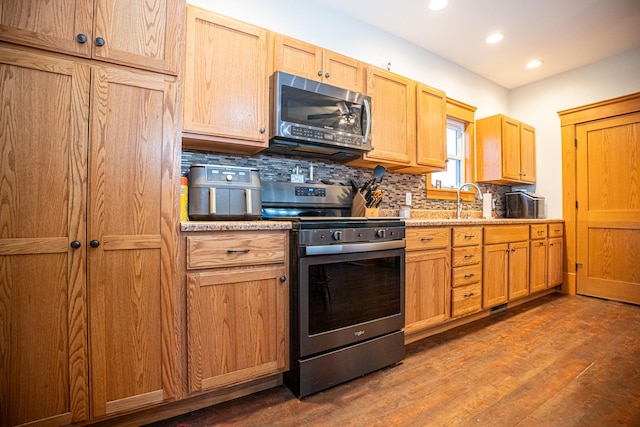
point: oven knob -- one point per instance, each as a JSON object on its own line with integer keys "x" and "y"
{"x": 337, "y": 235}
{"x": 381, "y": 233}
{"x": 229, "y": 177}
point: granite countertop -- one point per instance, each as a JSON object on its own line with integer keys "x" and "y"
{"x": 434, "y": 222}
{"x": 234, "y": 225}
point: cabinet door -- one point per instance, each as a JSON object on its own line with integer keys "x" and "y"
{"x": 50, "y": 25}
{"x": 393, "y": 117}
{"x": 298, "y": 58}
{"x": 343, "y": 72}
{"x": 130, "y": 215}
{"x": 237, "y": 324}
{"x": 538, "y": 265}
{"x": 510, "y": 149}
{"x": 139, "y": 33}
{"x": 495, "y": 274}
{"x": 431, "y": 107}
{"x": 518, "y": 270}
{"x": 556, "y": 253}
{"x": 427, "y": 293}
{"x": 43, "y": 150}
{"x": 226, "y": 83}
{"x": 527, "y": 153}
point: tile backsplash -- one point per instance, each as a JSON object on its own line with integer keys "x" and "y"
{"x": 273, "y": 167}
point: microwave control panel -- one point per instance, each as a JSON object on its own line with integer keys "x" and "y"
{"x": 325, "y": 136}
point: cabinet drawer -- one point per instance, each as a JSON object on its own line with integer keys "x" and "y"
{"x": 427, "y": 238}
{"x": 505, "y": 234}
{"x": 556, "y": 229}
{"x": 467, "y": 255}
{"x": 235, "y": 248}
{"x": 466, "y": 300}
{"x": 538, "y": 231}
{"x": 467, "y": 275}
{"x": 467, "y": 236}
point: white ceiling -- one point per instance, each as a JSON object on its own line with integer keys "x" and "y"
{"x": 566, "y": 34}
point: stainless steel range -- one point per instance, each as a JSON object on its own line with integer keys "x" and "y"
{"x": 347, "y": 286}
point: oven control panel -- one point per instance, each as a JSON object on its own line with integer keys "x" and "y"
{"x": 329, "y": 236}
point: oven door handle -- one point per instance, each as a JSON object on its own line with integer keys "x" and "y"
{"x": 353, "y": 248}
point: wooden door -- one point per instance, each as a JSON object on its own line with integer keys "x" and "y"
{"x": 226, "y": 83}
{"x": 538, "y": 265}
{"x": 518, "y": 270}
{"x": 139, "y": 33}
{"x": 495, "y": 274}
{"x": 428, "y": 290}
{"x": 238, "y": 325}
{"x": 343, "y": 72}
{"x": 431, "y": 116}
{"x": 131, "y": 212}
{"x": 393, "y": 116}
{"x": 510, "y": 149}
{"x": 298, "y": 58}
{"x": 43, "y": 150}
{"x": 527, "y": 153}
{"x": 50, "y": 25}
{"x": 555, "y": 261}
{"x": 608, "y": 195}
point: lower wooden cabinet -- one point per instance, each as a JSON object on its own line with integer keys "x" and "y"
{"x": 237, "y": 312}
{"x": 555, "y": 261}
{"x": 466, "y": 292}
{"x": 466, "y": 299}
{"x": 538, "y": 265}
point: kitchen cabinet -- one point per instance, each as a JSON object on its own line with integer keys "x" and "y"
{"x": 90, "y": 201}
{"x": 431, "y": 132}
{"x": 237, "y": 307}
{"x": 506, "y": 261}
{"x": 505, "y": 151}
{"x": 128, "y": 32}
{"x": 393, "y": 110}
{"x": 226, "y": 84}
{"x": 555, "y": 254}
{"x": 466, "y": 295}
{"x": 312, "y": 62}
{"x": 428, "y": 278}
{"x": 538, "y": 258}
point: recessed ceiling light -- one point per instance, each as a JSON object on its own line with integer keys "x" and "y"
{"x": 495, "y": 38}
{"x": 535, "y": 63}
{"x": 438, "y": 4}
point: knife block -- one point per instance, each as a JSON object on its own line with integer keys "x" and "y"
{"x": 359, "y": 207}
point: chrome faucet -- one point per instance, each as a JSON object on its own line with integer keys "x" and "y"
{"x": 478, "y": 197}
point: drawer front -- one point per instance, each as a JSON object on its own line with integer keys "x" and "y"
{"x": 556, "y": 229}
{"x": 466, "y": 275}
{"x": 229, "y": 249}
{"x": 467, "y": 236}
{"x": 538, "y": 231}
{"x": 505, "y": 234}
{"x": 466, "y": 300}
{"x": 467, "y": 255}
{"x": 427, "y": 238}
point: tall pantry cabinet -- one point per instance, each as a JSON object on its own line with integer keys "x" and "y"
{"x": 87, "y": 214}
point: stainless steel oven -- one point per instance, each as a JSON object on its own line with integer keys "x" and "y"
{"x": 347, "y": 289}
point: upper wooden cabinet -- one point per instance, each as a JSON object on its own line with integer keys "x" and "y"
{"x": 393, "y": 110}
{"x": 431, "y": 131}
{"x": 312, "y": 62}
{"x": 226, "y": 84}
{"x": 505, "y": 151}
{"x": 137, "y": 33}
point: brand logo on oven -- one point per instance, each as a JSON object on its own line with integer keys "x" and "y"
{"x": 359, "y": 333}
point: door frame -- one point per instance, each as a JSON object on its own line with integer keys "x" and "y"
{"x": 569, "y": 120}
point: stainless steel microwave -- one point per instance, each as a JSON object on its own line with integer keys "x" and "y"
{"x": 310, "y": 118}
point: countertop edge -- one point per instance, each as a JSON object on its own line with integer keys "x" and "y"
{"x": 431, "y": 222}
{"x": 234, "y": 225}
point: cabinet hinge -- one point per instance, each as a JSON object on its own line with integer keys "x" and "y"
{"x": 576, "y": 204}
{"x": 578, "y": 264}
{"x": 575, "y": 143}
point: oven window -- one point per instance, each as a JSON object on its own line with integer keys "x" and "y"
{"x": 346, "y": 293}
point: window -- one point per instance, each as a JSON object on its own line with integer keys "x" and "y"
{"x": 460, "y": 154}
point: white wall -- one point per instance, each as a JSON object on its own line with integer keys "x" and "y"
{"x": 538, "y": 103}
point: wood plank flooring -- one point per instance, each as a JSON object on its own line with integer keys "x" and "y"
{"x": 557, "y": 361}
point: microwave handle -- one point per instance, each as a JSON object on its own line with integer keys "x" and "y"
{"x": 367, "y": 109}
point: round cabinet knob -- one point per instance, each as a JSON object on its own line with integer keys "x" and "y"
{"x": 337, "y": 235}
{"x": 327, "y": 75}
{"x": 320, "y": 73}
{"x": 283, "y": 279}
{"x": 81, "y": 38}
{"x": 229, "y": 177}
{"x": 99, "y": 41}
{"x": 381, "y": 233}
{"x": 75, "y": 244}
{"x": 94, "y": 243}
{"x": 263, "y": 130}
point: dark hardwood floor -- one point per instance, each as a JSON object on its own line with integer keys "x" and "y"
{"x": 556, "y": 361}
